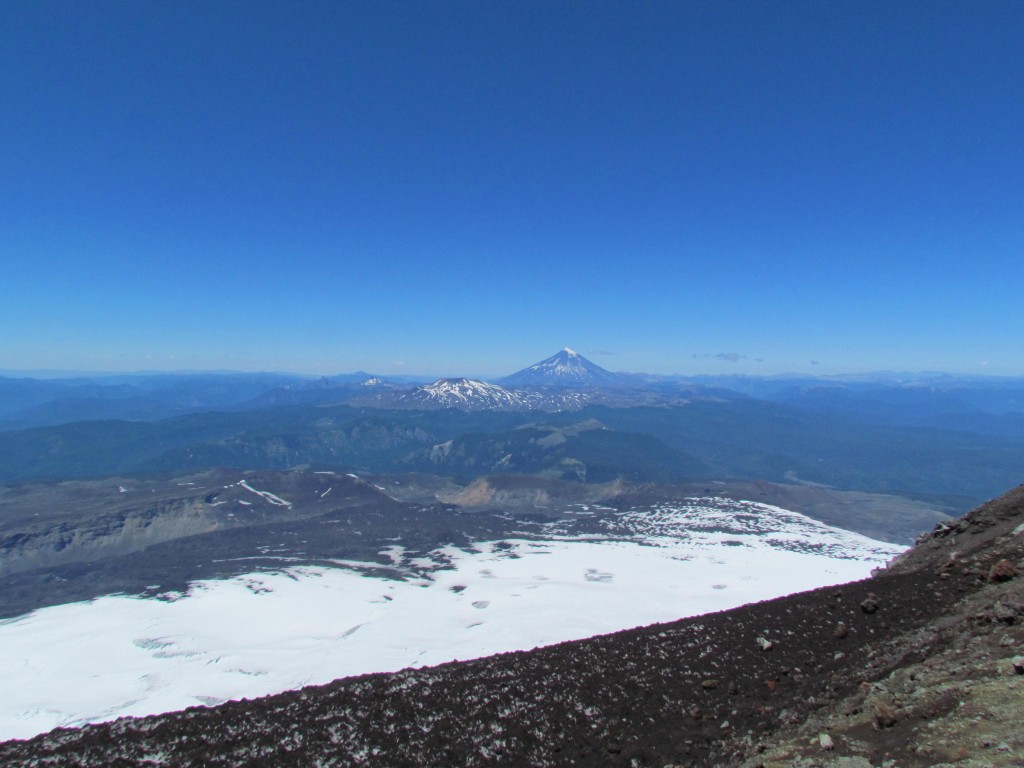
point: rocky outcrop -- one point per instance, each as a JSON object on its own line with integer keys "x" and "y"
{"x": 512, "y": 492}
{"x": 87, "y": 521}
{"x": 106, "y": 535}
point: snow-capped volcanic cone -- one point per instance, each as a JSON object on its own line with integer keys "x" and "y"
{"x": 465, "y": 394}
{"x": 567, "y": 368}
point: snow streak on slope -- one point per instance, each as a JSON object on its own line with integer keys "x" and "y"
{"x": 269, "y": 632}
{"x": 277, "y": 501}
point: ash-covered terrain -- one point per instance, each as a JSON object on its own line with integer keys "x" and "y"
{"x": 919, "y": 665}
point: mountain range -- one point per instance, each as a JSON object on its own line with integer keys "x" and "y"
{"x": 947, "y": 441}
{"x": 198, "y": 538}
{"x": 475, "y": 395}
{"x": 564, "y": 381}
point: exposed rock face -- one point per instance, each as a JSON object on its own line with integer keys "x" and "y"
{"x": 89, "y": 524}
{"x": 510, "y": 492}
{"x": 930, "y": 677}
{"x": 75, "y": 540}
{"x": 952, "y": 544}
{"x": 107, "y": 535}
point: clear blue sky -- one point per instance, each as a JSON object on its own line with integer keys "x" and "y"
{"x": 466, "y": 187}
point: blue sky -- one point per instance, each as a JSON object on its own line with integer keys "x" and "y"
{"x": 466, "y": 187}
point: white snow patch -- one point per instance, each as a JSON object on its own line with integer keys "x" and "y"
{"x": 277, "y": 501}
{"x": 267, "y": 632}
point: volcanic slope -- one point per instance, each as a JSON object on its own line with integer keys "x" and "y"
{"x": 916, "y": 666}
{"x": 309, "y": 619}
{"x": 566, "y": 368}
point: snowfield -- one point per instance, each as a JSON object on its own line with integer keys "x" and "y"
{"x": 593, "y": 573}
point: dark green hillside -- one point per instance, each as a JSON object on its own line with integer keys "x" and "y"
{"x": 26, "y": 403}
{"x": 586, "y": 451}
{"x": 739, "y": 439}
{"x": 264, "y": 439}
{"x": 748, "y": 439}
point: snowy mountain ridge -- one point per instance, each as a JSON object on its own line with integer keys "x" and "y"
{"x": 475, "y": 395}
{"x": 464, "y": 393}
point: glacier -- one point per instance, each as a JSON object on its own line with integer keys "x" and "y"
{"x": 593, "y": 572}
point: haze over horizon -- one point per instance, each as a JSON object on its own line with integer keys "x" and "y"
{"x": 430, "y": 374}
{"x": 462, "y": 189}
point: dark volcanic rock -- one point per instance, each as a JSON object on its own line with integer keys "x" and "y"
{"x": 885, "y": 713}
{"x": 870, "y": 604}
{"x": 1003, "y": 570}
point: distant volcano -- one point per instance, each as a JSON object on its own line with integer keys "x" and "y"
{"x": 564, "y": 369}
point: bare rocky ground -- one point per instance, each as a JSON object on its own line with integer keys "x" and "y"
{"x": 951, "y": 692}
{"x": 920, "y": 665}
